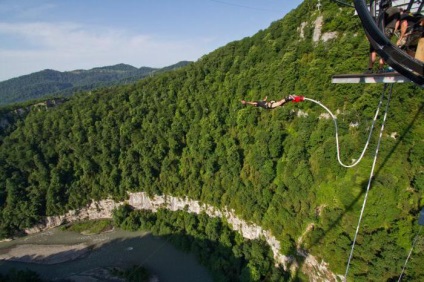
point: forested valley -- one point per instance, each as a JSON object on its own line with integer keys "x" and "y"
{"x": 185, "y": 133}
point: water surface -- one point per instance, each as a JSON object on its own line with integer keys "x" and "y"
{"x": 112, "y": 249}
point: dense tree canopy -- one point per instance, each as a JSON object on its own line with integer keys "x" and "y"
{"x": 185, "y": 133}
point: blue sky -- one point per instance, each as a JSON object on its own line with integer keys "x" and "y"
{"x": 83, "y": 34}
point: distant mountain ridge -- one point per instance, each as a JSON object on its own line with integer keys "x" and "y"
{"x": 48, "y": 82}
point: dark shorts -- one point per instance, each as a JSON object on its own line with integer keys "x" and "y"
{"x": 262, "y": 104}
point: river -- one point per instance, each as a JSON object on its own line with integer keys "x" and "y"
{"x": 117, "y": 248}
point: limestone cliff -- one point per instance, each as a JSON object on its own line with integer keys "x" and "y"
{"x": 103, "y": 209}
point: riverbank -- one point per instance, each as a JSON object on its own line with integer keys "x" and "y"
{"x": 48, "y": 253}
{"x": 57, "y": 254}
{"x": 44, "y": 254}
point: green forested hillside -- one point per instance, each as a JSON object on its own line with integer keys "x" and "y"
{"x": 47, "y": 83}
{"x": 185, "y": 133}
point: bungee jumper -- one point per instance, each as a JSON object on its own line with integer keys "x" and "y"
{"x": 273, "y": 104}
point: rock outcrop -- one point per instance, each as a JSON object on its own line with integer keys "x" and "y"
{"x": 103, "y": 209}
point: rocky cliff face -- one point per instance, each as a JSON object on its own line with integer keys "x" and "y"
{"x": 317, "y": 271}
{"x": 7, "y": 118}
{"x": 317, "y": 34}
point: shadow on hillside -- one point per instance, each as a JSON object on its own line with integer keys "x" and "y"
{"x": 399, "y": 140}
{"x": 301, "y": 259}
{"x": 175, "y": 257}
{"x": 315, "y": 242}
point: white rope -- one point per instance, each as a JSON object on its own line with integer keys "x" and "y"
{"x": 369, "y": 181}
{"x": 410, "y": 252}
{"x": 337, "y": 133}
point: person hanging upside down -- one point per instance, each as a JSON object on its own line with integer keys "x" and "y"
{"x": 273, "y": 104}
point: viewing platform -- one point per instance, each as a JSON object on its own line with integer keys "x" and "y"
{"x": 385, "y": 77}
